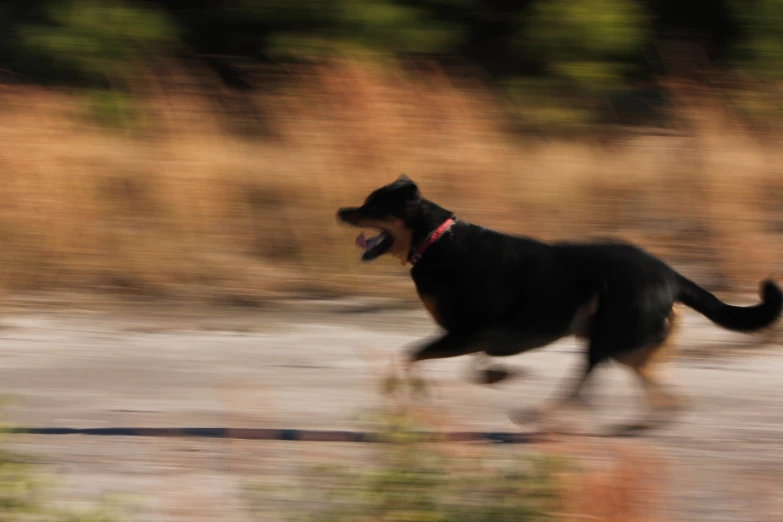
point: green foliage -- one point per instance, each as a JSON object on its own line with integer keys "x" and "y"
{"x": 414, "y": 482}
{"x": 561, "y": 60}
{"x": 585, "y": 42}
{"x": 761, "y": 50}
{"x": 98, "y": 43}
{"x": 347, "y": 25}
{"x": 96, "y": 39}
{"x": 586, "y": 47}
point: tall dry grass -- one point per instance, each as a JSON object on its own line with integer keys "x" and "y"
{"x": 188, "y": 210}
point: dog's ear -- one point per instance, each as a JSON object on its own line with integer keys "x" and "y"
{"x": 407, "y": 187}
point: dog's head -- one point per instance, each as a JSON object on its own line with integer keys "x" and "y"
{"x": 385, "y": 210}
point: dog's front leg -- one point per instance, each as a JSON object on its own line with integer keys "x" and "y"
{"x": 498, "y": 341}
{"x": 448, "y": 345}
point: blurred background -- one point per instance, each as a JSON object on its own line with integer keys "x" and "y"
{"x": 196, "y": 150}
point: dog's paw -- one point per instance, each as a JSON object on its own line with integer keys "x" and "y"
{"x": 525, "y": 416}
{"x": 390, "y": 385}
{"x": 418, "y": 387}
{"x": 551, "y": 420}
{"x": 631, "y": 429}
{"x": 658, "y": 419}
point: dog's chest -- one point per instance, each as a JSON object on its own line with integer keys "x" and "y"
{"x": 431, "y": 305}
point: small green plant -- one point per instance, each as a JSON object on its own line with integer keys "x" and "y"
{"x": 413, "y": 481}
{"x": 24, "y": 494}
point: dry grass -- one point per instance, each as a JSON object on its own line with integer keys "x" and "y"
{"x": 616, "y": 482}
{"x": 188, "y": 210}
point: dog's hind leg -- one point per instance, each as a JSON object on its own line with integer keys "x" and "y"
{"x": 647, "y": 364}
{"x": 614, "y": 330}
{"x": 573, "y": 393}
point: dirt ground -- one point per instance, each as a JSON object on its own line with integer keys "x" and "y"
{"x": 317, "y": 365}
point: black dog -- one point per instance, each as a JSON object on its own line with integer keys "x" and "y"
{"x": 501, "y": 295}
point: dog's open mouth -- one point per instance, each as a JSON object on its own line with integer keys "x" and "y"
{"x": 374, "y": 246}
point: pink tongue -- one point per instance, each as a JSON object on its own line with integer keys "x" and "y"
{"x": 361, "y": 241}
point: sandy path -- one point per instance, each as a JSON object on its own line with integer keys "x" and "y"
{"x": 318, "y": 370}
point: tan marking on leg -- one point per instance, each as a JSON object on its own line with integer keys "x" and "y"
{"x": 648, "y": 364}
{"x": 582, "y": 322}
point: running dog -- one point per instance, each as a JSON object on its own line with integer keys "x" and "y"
{"x": 499, "y": 295}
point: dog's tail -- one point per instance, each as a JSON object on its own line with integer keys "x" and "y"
{"x": 737, "y": 318}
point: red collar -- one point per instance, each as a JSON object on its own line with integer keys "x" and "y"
{"x": 434, "y": 236}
